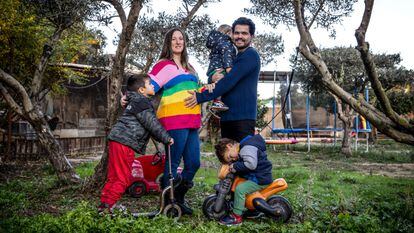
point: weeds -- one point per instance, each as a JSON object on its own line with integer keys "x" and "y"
{"x": 327, "y": 192}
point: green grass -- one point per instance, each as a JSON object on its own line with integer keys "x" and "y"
{"x": 328, "y": 192}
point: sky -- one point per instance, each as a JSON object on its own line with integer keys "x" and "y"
{"x": 389, "y": 31}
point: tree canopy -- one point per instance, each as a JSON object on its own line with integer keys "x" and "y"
{"x": 307, "y": 15}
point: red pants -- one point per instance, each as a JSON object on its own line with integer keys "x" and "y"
{"x": 119, "y": 177}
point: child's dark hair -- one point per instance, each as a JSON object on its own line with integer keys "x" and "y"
{"x": 136, "y": 81}
{"x": 245, "y": 21}
{"x": 221, "y": 148}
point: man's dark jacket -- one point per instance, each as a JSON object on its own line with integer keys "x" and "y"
{"x": 137, "y": 123}
{"x": 238, "y": 88}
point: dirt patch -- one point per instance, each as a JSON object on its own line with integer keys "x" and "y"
{"x": 79, "y": 160}
{"x": 405, "y": 170}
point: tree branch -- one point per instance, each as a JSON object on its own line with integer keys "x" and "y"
{"x": 41, "y": 66}
{"x": 43, "y": 94}
{"x": 119, "y": 60}
{"x": 10, "y": 101}
{"x": 121, "y": 13}
{"x": 316, "y": 13}
{"x": 18, "y": 88}
{"x": 363, "y": 48}
{"x": 310, "y": 52}
{"x": 187, "y": 20}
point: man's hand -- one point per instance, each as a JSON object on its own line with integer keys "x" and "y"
{"x": 191, "y": 101}
{"x": 210, "y": 87}
{"x": 217, "y": 75}
{"x": 124, "y": 101}
{"x": 171, "y": 141}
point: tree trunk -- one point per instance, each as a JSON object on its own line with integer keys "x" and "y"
{"x": 31, "y": 112}
{"x": 9, "y": 135}
{"x": 116, "y": 78}
{"x": 345, "y": 115}
{"x": 389, "y": 124}
{"x": 346, "y": 140}
{"x": 373, "y": 136}
{"x": 54, "y": 151}
{"x": 346, "y": 119}
{"x": 148, "y": 64}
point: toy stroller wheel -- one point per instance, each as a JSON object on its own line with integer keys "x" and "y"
{"x": 283, "y": 208}
{"x": 137, "y": 189}
{"x": 172, "y": 211}
{"x": 208, "y": 208}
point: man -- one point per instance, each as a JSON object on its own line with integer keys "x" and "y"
{"x": 238, "y": 88}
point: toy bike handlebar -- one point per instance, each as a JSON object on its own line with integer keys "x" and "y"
{"x": 223, "y": 171}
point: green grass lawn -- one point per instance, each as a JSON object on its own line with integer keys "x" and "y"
{"x": 368, "y": 192}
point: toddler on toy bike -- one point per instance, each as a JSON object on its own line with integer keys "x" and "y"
{"x": 246, "y": 181}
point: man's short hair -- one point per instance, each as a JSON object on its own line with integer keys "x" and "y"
{"x": 245, "y": 21}
{"x": 136, "y": 81}
{"x": 221, "y": 148}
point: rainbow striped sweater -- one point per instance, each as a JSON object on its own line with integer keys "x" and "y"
{"x": 176, "y": 83}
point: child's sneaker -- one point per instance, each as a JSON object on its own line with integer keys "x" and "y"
{"x": 104, "y": 208}
{"x": 119, "y": 209}
{"x": 231, "y": 220}
{"x": 219, "y": 106}
{"x": 252, "y": 214}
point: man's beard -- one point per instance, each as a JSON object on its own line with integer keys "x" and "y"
{"x": 243, "y": 47}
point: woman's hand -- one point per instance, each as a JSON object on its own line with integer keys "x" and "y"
{"x": 191, "y": 101}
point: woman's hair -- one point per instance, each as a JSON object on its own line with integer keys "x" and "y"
{"x": 167, "y": 53}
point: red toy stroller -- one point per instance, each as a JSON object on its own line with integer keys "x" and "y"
{"x": 168, "y": 205}
{"x": 147, "y": 172}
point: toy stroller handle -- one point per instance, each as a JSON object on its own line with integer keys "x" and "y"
{"x": 156, "y": 158}
{"x": 170, "y": 175}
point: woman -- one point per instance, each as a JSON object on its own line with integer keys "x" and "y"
{"x": 176, "y": 77}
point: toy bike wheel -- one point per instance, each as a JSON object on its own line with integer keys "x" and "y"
{"x": 172, "y": 211}
{"x": 283, "y": 208}
{"x": 137, "y": 189}
{"x": 208, "y": 208}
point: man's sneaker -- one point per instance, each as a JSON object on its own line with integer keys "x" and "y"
{"x": 219, "y": 106}
{"x": 231, "y": 220}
